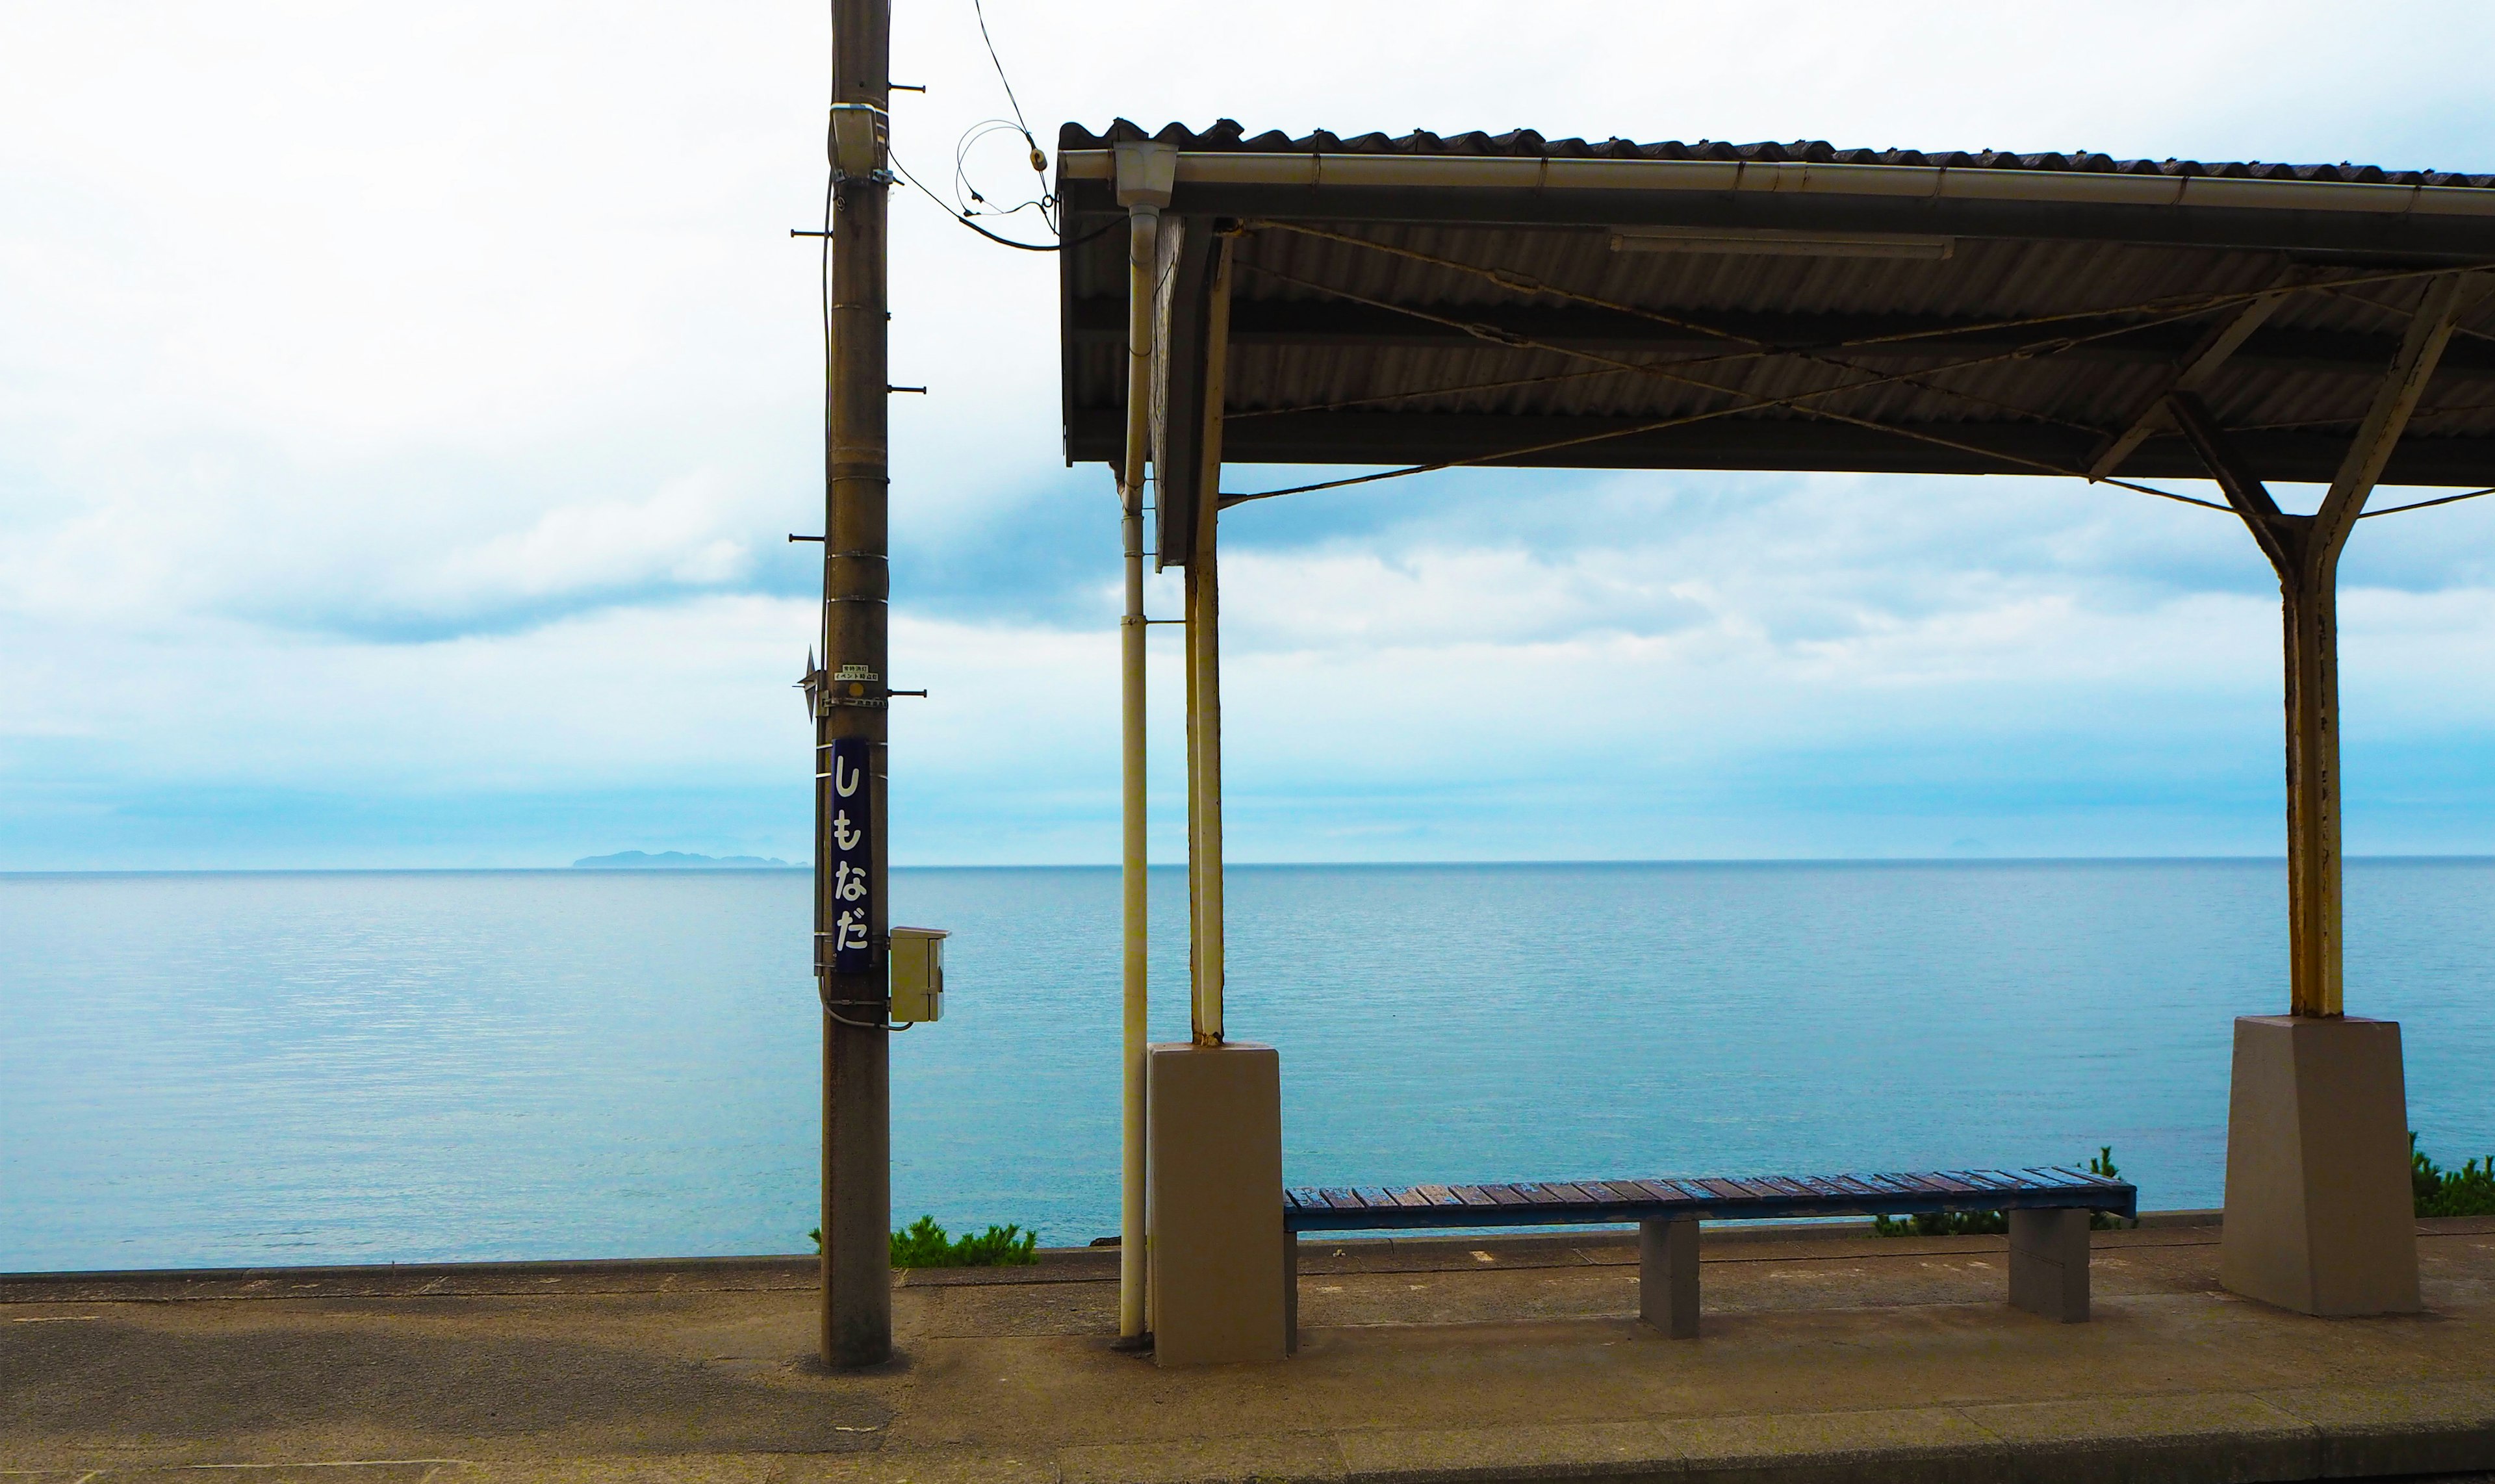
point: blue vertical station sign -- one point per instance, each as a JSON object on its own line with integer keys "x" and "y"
{"x": 853, "y": 856}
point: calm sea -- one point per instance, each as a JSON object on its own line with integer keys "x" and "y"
{"x": 364, "y": 1066}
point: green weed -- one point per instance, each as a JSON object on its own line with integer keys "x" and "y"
{"x": 2469, "y": 1191}
{"x": 1942, "y": 1223}
{"x": 923, "y": 1243}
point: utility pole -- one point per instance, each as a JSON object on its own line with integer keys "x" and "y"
{"x": 852, "y": 692}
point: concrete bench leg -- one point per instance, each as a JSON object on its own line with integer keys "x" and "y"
{"x": 1290, "y": 1291}
{"x": 2048, "y": 1263}
{"x": 1668, "y": 1276}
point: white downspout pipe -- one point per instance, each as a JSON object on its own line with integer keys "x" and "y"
{"x": 1145, "y": 176}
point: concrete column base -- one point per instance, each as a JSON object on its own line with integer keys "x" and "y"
{"x": 2320, "y": 1218}
{"x": 1668, "y": 1276}
{"x": 1213, "y": 1180}
{"x": 2049, "y": 1264}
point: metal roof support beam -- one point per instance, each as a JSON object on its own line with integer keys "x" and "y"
{"x": 2421, "y": 350}
{"x": 2195, "y": 373}
{"x": 2306, "y": 552}
{"x": 1181, "y": 311}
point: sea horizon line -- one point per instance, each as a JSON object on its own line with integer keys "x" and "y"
{"x": 1550, "y": 862}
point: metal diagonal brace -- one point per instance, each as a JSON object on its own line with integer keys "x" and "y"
{"x": 2194, "y": 372}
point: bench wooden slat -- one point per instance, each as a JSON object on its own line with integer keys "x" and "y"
{"x": 1714, "y": 1197}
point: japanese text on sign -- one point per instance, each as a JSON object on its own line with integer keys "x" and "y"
{"x": 851, "y": 907}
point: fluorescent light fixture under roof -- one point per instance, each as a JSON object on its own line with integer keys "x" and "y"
{"x": 1778, "y": 244}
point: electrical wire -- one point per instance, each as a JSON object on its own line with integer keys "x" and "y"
{"x": 1046, "y": 200}
{"x": 963, "y": 217}
{"x": 979, "y": 8}
{"x": 2419, "y": 505}
{"x": 831, "y": 184}
{"x": 962, "y": 186}
{"x": 864, "y": 1025}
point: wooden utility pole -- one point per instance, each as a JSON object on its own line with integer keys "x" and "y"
{"x": 852, "y": 921}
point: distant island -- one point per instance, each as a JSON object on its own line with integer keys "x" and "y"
{"x": 678, "y": 860}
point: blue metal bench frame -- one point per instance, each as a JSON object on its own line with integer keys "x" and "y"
{"x": 2047, "y": 1208}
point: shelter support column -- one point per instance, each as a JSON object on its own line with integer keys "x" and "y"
{"x": 2318, "y": 1205}
{"x": 1204, "y": 676}
{"x": 1221, "y": 1274}
{"x": 1144, "y": 175}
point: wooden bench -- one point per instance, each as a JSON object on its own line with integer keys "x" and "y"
{"x": 2048, "y": 1209}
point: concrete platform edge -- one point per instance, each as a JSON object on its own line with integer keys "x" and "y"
{"x": 800, "y": 1264}
{"x": 2205, "y": 1438}
{"x": 2246, "y": 1437}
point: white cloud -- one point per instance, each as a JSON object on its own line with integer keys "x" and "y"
{"x": 418, "y": 398}
{"x": 671, "y": 537}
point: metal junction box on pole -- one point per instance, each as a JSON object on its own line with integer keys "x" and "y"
{"x": 917, "y": 974}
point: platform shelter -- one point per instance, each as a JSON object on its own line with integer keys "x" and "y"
{"x": 1429, "y": 302}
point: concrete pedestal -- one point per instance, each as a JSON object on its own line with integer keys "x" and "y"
{"x": 2319, "y": 1210}
{"x": 2049, "y": 1264}
{"x": 1213, "y": 1134}
{"x": 1668, "y": 1276}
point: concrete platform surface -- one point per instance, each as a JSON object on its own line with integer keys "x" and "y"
{"x": 1821, "y": 1357}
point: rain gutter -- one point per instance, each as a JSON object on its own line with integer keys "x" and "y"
{"x": 1238, "y": 168}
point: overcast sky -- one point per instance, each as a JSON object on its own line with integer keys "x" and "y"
{"x": 402, "y": 410}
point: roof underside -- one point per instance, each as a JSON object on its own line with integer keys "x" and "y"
{"x": 1423, "y": 312}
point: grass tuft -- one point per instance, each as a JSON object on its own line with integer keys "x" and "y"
{"x": 923, "y": 1243}
{"x": 2469, "y": 1191}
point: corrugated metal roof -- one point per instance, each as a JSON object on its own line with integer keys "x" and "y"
{"x": 1382, "y": 326}
{"x": 1229, "y": 135}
